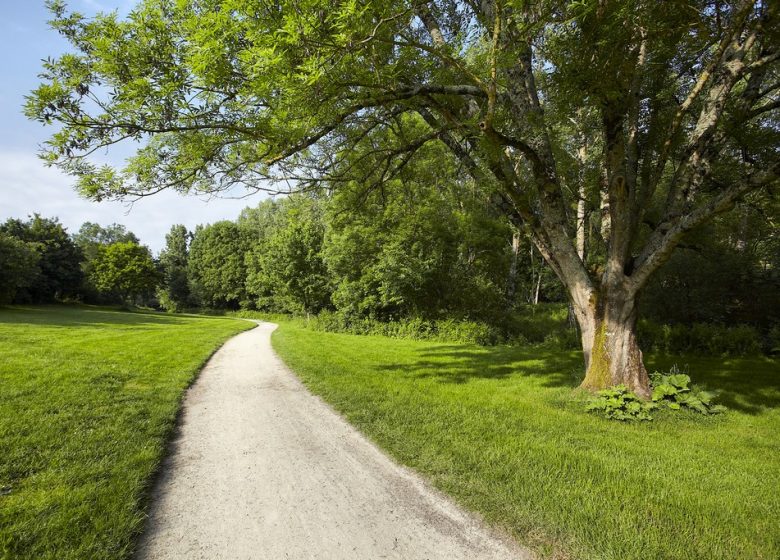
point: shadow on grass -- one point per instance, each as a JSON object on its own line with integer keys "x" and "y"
{"x": 83, "y": 316}
{"x": 460, "y": 364}
{"x": 749, "y": 385}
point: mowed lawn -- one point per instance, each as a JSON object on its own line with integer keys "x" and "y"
{"x": 502, "y": 431}
{"x": 88, "y": 398}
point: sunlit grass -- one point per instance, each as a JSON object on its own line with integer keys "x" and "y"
{"x": 503, "y": 431}
{"x": 88, "y": 398}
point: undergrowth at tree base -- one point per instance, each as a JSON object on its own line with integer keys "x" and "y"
{"x": 672, "y": 391}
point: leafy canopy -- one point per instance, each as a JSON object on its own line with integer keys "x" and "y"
{"x": 125, "y": 269}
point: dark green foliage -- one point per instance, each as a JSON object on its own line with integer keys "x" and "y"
{"x": 674, "y": 391}
{"x": 59, "y": 259}
{"x": 215, "y": 266}
{"x": 701, "y": 338}
{"x": 90, "y": 238}
{"x": 18, "y": 266}
{"x": 727, "y": 272}
{"x": 124, "y": 271}
{"x": 544, "y": 323}
{"x": 412, "y": 328}
{"x": 618, "y": 403}
{"x": 174, "y": 291}
{"x": 427, "y": 246}
{"x": 285, "y": 266}
{"x": 773, "y": 340}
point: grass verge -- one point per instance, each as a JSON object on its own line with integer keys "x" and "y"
{"x": 88, "y": 398}
{"x": 502, "y": 431}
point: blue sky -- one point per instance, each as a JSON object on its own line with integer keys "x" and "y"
{"x": 26, "y": 185}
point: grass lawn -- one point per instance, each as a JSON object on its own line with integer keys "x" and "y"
{"x": 502, "y": 431}
{"x": 88, "y": 398}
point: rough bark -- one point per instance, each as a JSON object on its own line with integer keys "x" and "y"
{"x": 609, "y": 342}
{"x": 511, "y": 288}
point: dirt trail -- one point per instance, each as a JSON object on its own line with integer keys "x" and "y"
{"x": 262, "y": 469}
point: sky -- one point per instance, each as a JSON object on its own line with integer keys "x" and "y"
{"x": 27, "y": 186}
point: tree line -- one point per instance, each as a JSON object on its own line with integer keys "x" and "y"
{"x": 427, "y": 248}
{"x": 41, "y": 263}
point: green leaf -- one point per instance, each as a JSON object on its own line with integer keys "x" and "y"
{"x": 705, "y": 396}
{"x": 679, "y": 380}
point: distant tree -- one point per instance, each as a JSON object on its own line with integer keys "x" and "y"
{"x": 125, "y": 270}
{"x": 18, "y": 266}
{"x": 427, "y": 244}
{"x": 257, "y": 222}
{"x": 90, "y": 238}
{"x": 216, "y": 269}
{"x": 59, "y": 258}
{"x": 174, "y": 290}
{"x": 285, "y": 269}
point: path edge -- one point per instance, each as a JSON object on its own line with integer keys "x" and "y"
{"x": 153, "y": 480}
{"x": 500, "y": 533}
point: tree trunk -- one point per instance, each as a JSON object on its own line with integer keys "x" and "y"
{"x": 511, "y": 285}
{"x": 609, "y": 343}
{"x": 538, "y": 287}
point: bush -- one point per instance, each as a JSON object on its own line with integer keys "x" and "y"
{"x": 618, "y": 403}
{"x": 469, "y": 331}
{"x": 674, "y": 391}
{"x": 671, "y": 390}
{"x": 414, "y": 328}
{"x": 700, "y": 338}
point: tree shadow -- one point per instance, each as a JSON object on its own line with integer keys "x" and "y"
{"x": 749, "y": 385}
{"x": 461, "y": 364}
{"x": 85, "y": 316}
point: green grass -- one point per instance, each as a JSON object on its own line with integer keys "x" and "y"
{"x": 88, "y": 398}
{"x": 502, "y": 430}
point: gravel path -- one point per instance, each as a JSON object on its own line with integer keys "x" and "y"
{"x": 261, "y": 468}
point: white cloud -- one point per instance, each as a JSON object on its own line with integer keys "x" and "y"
{"x": 27, "y": 186}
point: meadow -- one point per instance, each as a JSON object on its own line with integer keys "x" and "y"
{"x": 503, "y": 430}
{"x": 88, "y": 400}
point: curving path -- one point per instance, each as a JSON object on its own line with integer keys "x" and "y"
{"x": 262, "y": 469}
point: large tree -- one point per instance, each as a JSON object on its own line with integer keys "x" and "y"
{"x": 18, "y": 266}
{"x": 285, "y": 269}
{"x": 91, "y": 236}
{"x": 59, "y": 272}
{"x": 215, "y": 265}
{"x": 124, "y": 270}
{"x": 645, "y": 117}
{"x": 174, "y": 291}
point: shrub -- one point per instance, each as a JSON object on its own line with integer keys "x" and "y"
{"x": 700, "y": 338}
{"x": 469, "y": 331}
{"x": 743, "y": 340}
{"x": 414, "y": 328}
{"x": 671, "y": 390}
{"x": 618, "y": 403}
{"x": 674, "y": 391}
